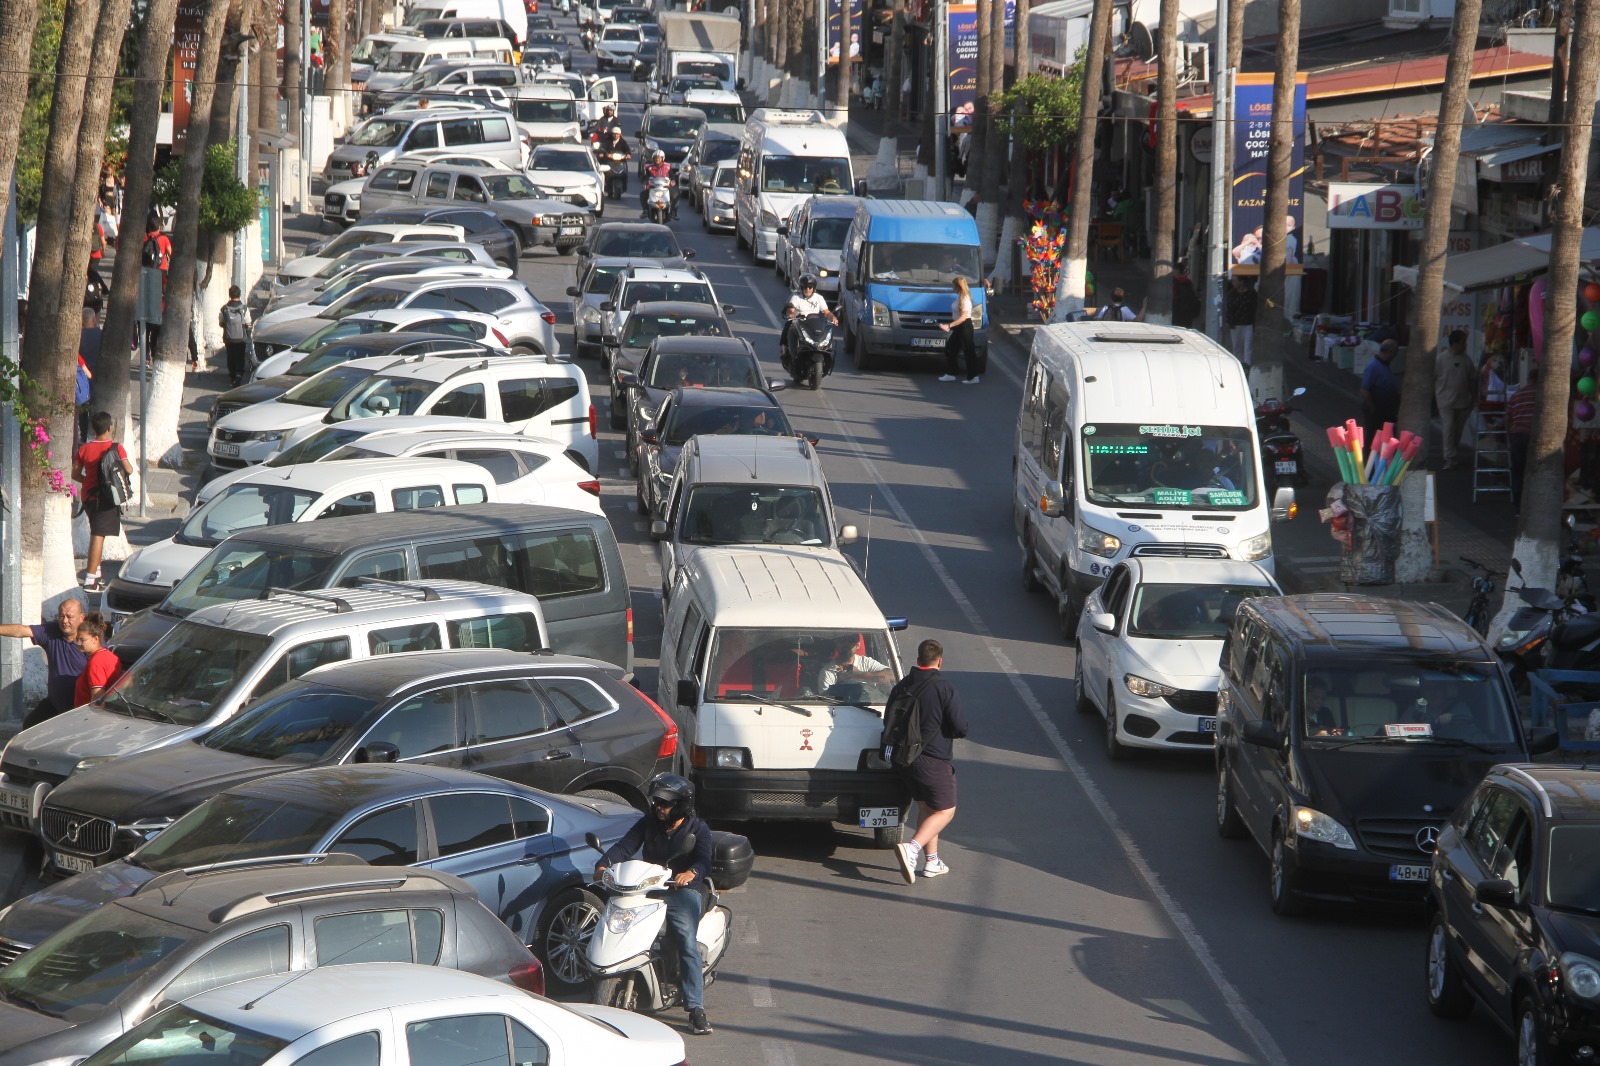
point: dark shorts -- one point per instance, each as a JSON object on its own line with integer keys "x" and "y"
{"x": 103, "y": 521}
{"x": 932, "y": 783}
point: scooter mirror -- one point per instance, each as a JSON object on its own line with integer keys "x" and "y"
{"x": 1298, "y": 392}
{"x": 593, "y": 841}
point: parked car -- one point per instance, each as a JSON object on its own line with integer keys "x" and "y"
{"x": 289, "y": 310}
{"x": 357, "y": 236}
{"x": 340, "y": 341}
{"x": 1514, "y": 913}
{"x": 567, "y": 173}
{"x": 465, "y": 252}
{"x": 1148, "y": 646}
{"x": 597, "y": 276}
{"x": 687, "y": 412}
{"x": 634, "y": 240}
{"x": 186, "y": 933}
{"x": 527, "y": 323}
{"x": 482, "y": 225}
{"x": 665, "y": 345}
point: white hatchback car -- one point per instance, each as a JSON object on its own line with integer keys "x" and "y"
{"x": 248, "y": 435}
{"x": 393, "y": 1013}
{"x": 1148, "y": 644}
{"x": 359, "y": 236}
{"x": 329, "y": 296}
{"x": 529, "y": 324}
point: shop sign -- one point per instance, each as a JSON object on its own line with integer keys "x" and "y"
{"x": 1353, "y": 205}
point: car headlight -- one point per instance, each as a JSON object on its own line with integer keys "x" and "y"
{"x": 1094, "y": 542}
{"x": 721, "y": 758}
{"x": 145, "y": 828}
{"x": 590, "y": 313}
{"x": 1257, "y": 547}
{"x": 1581, "y": 975}
{"x": 93, "y": 760}
{"x": 1314, "y": 825}
{"x": 1141, "y": 686}
{"x": 821, "y": 273}
{"x": 268, "y": 435}
{"x": 768, "y": 219}
{"x": 647, "y": 414}
{"x": 880, "y": 313}
{"x": 621, "y": 919}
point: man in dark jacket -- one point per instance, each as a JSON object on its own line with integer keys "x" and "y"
{"x": 932, "y": 777}
{"x": 658, "y": 837}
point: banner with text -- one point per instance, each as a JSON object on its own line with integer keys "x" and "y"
{"x": 1252, "y": 123}
{"x": 844, "y": 24}
{"x": 185, "y": 55}
{"x": 963, "y": 65}
{"x": 1353, "y": 205}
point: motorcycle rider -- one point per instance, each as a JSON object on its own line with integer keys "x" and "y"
{"x": 614, "y": 144}
{"x": 660, "y": 168}
{"x": 656, "y": 836}
{"x": 807, "y": 301}
{"x": 603, "y": 127}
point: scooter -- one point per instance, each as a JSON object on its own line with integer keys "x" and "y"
{"x": 1524, "y": 643}
{"x": 615, "y": 167}
{"x": 658, "y": 199}
{"x": 587, "y": 37}
{"x": 1280, "y": 448}
{"x": 812, "y": 358}
{"x": 630, "y": 954}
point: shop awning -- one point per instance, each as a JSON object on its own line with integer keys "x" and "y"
{"x": 1488, "y": 267}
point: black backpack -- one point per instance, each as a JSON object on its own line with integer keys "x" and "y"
{"x": 115, "y": 488}
{"x": 150, "y": 254}
{"x": 902, "y": 724}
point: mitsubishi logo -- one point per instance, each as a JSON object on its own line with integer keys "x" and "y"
{"x": 805, "y": 740}
{"x": 1427, "y": 839}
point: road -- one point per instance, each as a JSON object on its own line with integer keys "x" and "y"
{"x": 1092, "y": 914}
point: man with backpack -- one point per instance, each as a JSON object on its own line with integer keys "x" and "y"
{"x": 235, "y": 322}
{"x": 921, "y": 719}
{"x": 103, "y": 470}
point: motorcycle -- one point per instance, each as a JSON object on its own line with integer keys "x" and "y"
{"x": 635, "y": 966}
{"x": 587, "y": 37}
{"x": 615, "y": 168}
{"x": 811, "y": 359}
{"x": 1280, "y": 448}
{"x": 658, "y": 199}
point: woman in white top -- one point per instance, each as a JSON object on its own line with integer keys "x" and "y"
{"x": 961, "y": 340}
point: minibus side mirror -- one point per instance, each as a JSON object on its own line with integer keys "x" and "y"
{"x": 1052, "y": 501}
{"x": 688, "y": 693}
{"x": 847, "y": 534}
{"x": 1284, "y": 507}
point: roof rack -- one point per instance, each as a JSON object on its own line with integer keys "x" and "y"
{"x": 427, "y": 592}
{"x": 262, "y": 900}
{"x": 339, "y": 604}
{"x": 467, "y": 368}
{"x": 1533, "y": 783}
{"x": 1137, "y": 336}
{"x": 310, "y": 858}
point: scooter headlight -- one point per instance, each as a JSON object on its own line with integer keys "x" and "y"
{"x": 619, "y": 920}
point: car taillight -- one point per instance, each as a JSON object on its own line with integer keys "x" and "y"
{"x": 549, "y": 316}
{"x": 529, "y": 977}
{"x": 505, "y": 342}
{"x": 591, "y": 487}
{"x": 592, "y": 422}
{"x": 630, "y": 625}
{"x": 669, "y": 739}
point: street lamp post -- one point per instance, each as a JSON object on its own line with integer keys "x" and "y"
{"x": 242, "y": 156}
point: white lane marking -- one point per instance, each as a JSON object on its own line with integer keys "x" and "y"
{"x": 776, "y": 1054}
{"x": 639, "y": 525}
{"x": 747, "y": 931}
{"x": 622, "y": 453}
{"x": 1266, "y": 1046}
{"x": 766, "y": 308}
{"x": 645, "y": 549}
{"x": 760, "y": 992}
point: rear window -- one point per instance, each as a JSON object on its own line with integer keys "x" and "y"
{"x": 548, "y": 565}
{"x": 514, "y": 632}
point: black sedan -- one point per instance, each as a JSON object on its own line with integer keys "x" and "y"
{"x": 482, "y": 226}
{"x": 689, "y": 411}
{"x": 521, "y": 849}
{"x": 642, "y": 377}
{"x": 634, "y": 240}
{"x": 644, "y": 60}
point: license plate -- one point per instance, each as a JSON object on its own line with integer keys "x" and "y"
{"x": 927, "y": 342}
{"x": 879, "y": 817}
{"x": 72, "y": 864}
{"x": 571, "y": 231}
{"x": 1208, "y": 725}
{"x": 13, "y": 800}
{"x": 1286, "y": 466}
{"x": 227, "y": 449}
{"x": 1409, "y": 873}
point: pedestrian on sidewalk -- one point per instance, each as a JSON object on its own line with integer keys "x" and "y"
{"x": 932, "y": 777}
{"x": 1455, "y": 390}
{"x": 961, "y": 348}
{"x": 102, "y": 667}
{"x": 1380, "y": 389}
{"x": 1185, "y": 297}
{"x": 155, "y": 258}
{"x": 1520, "y": 409}
{"x": 1240, "y": 311}
{"x": 1117, "y": 310}
{"x": 100, "y": 506}
{"x": 235, "y": 322}
{"x": 64, "y": 659}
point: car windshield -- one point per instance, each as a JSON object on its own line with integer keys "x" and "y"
{"x": 740, "y": 514}
{"x": 1170, "y": 466}
{"x": 186, "y": 674}
{"x": 693, "y": 292}
{"x": 317, "y": 446}
{"x": 671, "y": 370}
{"x": 92, "y": 961}
{"x": 827, "y": 234}
{"x": 603, "y": 279}
{"x": 242, "y": 570}
{"x": 935, "y": 265}
{"x": 227, "y": 828}
{"x": 377, "y": 298}
{"x": 333, "y": 290}
{"x": 337, "y": 331}
{"x": 1575, "y": 868}
{"x": 823, "y": 175}
{"x": 179, "y": 1036}
{"x": 509, "y": 187}
{"x": 646, "y": 327}
{"x": 326, "y": 387}
{"x": 240, "y": 507}
{"x": 1409, "y": 701}
{"x": 561, "y": 159}
{"x": 708, "y": 69}
{"x": 545, "y": 110}
{"x": 628, "y": 34}
{"x": 384, "y": 397}
{"x": 722, "y": 113}
{"x": 548, "y": 38}
{"x": 371, "y": 51}
{"x": 747, "y": 421}
{"x": 788, "y": 664}
{"x": 330, "y": 355}
{"x": 636, "y": 244}
{"x": 352, "y": 258}
{"x": 678, "y": 127}
{"x": 298, "y": 724}
{"x": 697, "y": 81}
{"x": 380, "y": 132}
{"x": 1188, "y": 612}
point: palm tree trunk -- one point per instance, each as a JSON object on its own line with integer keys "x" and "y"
{"x": 17, "y": 18}
{"x": 336, "y": 57}
{"x": 1272, "y": 337}
{"x": 1416, "y": 394}
{"x": 978, "y": 132}
{"x": 1161, "y": 247}
{"x": 1074, "y": 275}
{"x": 1560, "y": 64}
{"x": 293, "y": 37}
{"x": 1539, "y": 529}
{"x": 996, "y": 159}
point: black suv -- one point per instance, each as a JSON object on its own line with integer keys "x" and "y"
{"x": 1514, "y": 910}
{"x": 1348, "y": 731}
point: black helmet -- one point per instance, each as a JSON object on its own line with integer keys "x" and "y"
{"x": 808, "y": 281}
{"x": 670, "y": 788}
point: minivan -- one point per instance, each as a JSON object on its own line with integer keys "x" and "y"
{"x": 568, "y": 559}
{"x": 775, "y": 665}
{"x": 1348, "y": 731}
{"x": 1134, "y": 440}
{"x": 784, "y": 157}
{"x": 396, "y": 133}
{"x": 208, "y": 665}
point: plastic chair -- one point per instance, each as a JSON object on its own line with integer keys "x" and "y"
{"x": 1108, "y": 240}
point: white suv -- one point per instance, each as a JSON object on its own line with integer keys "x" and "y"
{"x": 654, "y": 284}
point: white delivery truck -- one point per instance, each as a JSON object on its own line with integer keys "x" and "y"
{"x": 1140, "y": 440}
{"x": 785, "y": 158}
{"x": 694, "y": 42}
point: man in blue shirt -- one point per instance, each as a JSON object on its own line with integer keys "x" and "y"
{"x": 65, "y": 659}
{"x": 1380, "y": 389}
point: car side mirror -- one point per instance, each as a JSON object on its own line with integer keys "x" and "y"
{"x": 607, "y": 306}
{"x": 861, "y": 186}
{"x": 1284, "y": 507}
{"x": 627, "y": 378}
{"x": 898, "y": 624}
{"x": 1496, "y": 892}
{"x": 573, "y": 290}
{"x": 611, "y": 340}
{"x": 1225, "y": 656}
{"x": 729, "y": 310}
{"x": 783, "y": 229}
{"x": 658, "y": 529}
{"x": 777, "y": 386}
{"x": 1262, "y": 733}
{"x": 688, "y": 253}
{"x": 650, "y": 436}
{"x": 1105, "y": 622}
{"x": 638, "y": 133}
{"x": 848, "y": 534}
{"x": 1543, "y": 740}
{"x": 1297, "y": 393}
{"x": 593, "y": 841}
{"x": 1052, "y": 501}
{"x": 584, "y": 249}
{"x": 377, "y": 751}
{"x": 688, "y": 692}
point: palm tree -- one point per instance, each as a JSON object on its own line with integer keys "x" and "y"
{"x": 1074, "y": 278}
{"x": 17, "y": 18}
{"x": 1160, "y": 297}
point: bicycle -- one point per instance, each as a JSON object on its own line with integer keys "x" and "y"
{"x": 1483, "y": 586}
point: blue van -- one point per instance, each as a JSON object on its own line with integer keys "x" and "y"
{"x": 900, "y": 257}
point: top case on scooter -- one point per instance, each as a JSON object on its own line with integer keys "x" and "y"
{"x": 732, "y": 859}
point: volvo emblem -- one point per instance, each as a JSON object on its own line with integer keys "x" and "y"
{"x": 74, "y": 827}
{"x": 1427, "y": 839}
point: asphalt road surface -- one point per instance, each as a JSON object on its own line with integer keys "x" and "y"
{"x": 1092, "y": 915}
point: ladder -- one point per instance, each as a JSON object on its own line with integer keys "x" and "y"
{"x": 1491, "y": 458}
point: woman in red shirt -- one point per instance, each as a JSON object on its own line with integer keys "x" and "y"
{"x": 103, "y": 667}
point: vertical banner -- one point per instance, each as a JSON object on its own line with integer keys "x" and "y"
{"x": 844, "y": 30}
{"x": 185, "y": 55}
{"x": 835, "y": 29}
{"x": 1252, "y": 123}
{"x": 1011, "y": 33}
{"x": 963, "y": 64}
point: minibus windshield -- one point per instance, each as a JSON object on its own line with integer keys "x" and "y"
{"x": 1170, "y": 465}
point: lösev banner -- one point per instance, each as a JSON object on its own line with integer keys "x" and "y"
{"x": 1252, "y": 134}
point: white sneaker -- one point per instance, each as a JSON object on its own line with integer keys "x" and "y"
{"x": 947, "y": 377}
{"x": 934, "y": 868}
{"x": 972, "y": 381}
{"x": 908, "y": 853}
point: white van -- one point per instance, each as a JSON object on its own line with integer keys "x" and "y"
{"x": 409, "y": 57}
{"x": 513, "y": 12}
{"x": 775, "y": 665}
{"x": 1135, "y": 440}
{"x": 593, "y": 96}
{"x": 785, "y": 158}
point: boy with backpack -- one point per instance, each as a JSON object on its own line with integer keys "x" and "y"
{"x": 920, "y": 720}
{"x": 155, "y": 256}
{"x": 235, "y": 322}
{"x": 103, "y": 470}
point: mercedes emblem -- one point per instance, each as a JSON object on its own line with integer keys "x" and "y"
{"x": 1427, "y": 839}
